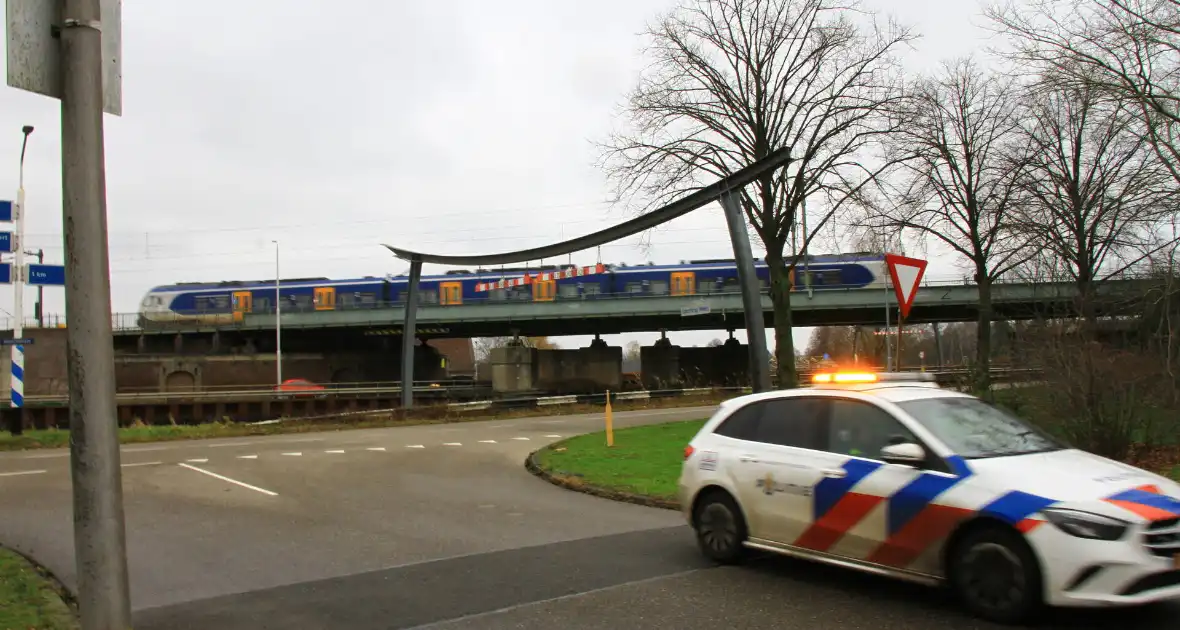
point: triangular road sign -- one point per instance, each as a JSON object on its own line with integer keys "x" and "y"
{"x": 907, "y": 275}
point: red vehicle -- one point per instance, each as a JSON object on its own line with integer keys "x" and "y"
{"x": 299, "y": 386}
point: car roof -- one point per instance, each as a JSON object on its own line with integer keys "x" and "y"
{"x": 891, "y": 391}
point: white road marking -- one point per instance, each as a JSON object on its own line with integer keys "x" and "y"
{"x": 22, "y": 472}
{"x": 293, "y": 454}
{"x": 231, "y": 444}
{"x": 46, "y": 456}
{"x": 146, "y": 449}
{"x": 487, "y": 441}
{"x": 452, "y": 444}
{"x": 197, "y": 461}
{"x": 375, "y": 448}
{"x": 414, "y": 446}
{"x": 334, "y": 451}
{"x": 522, "y": 439}
{"x": 552, "y": 436}
{"x": 247, "y": 457}
{"x": 227, "y": 479}
{"x": 292, "y": 441}
{"x": 142, "y": 464}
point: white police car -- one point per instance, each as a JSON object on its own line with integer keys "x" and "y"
{"x": 889, "y": 474}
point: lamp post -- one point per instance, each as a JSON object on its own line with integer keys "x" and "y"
{"x": 278, "y": 323}
{"x": 17, "y": 385}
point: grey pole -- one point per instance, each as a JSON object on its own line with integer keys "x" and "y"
{"x": 751, "y": 295}
{"x": 99, "y": 532}
{"x": 278, "y": 323}
{"x": 410, "y": 334}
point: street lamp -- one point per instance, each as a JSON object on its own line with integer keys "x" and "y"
{"x": 278, "y": 323}
{"x": 18, "y": 247}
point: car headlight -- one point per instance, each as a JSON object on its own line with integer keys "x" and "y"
{"x": 1087, "y": 525}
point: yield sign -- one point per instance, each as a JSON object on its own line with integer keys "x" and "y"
{"x": 906, "y": 274}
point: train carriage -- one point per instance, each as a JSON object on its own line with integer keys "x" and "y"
{"x": 229, "y": 301}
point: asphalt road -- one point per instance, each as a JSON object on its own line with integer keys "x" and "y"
{"x": 434, "y": 526}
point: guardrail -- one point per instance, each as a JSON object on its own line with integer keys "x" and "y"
{"x": 130, "y": 322}
{"x": 251, "y": 394}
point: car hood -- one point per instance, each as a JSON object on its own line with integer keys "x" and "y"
{"x": 1076, "y": 477}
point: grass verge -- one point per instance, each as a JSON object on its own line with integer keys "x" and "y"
{"x": 29, "y": 598}
{"x": 644, "y": 461}
{"x": 60, "y": 438}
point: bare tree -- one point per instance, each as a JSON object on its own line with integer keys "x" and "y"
{"x": 1128, "y": 49}
{"x": 733, "y": 81}
{"x": 960, "y": 185}
{"x": 1096, "y": 190}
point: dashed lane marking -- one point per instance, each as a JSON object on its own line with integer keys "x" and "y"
{"x": 293, "y": 454}
{"x": 552, "y": 436}
{"x": 415, "y": 446}
{"x": 375, "y": 448}
{"x": 452, "y": 444}
{"x": 335, "y": 452}
{"x": 247, "y": 457}
{"x": 142, "y": 464}
{"x": 22, "y": 472}
{"x": 487, "y": 441}
{"x": 522, "y": 439}
{"x": 197, "y": 461}
{"x": 230, "y": 444}
{"x": 228, "y": 480}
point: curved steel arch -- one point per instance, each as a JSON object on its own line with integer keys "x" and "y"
{"x": 678, "y": 208}
{"x": 722, "y": 190}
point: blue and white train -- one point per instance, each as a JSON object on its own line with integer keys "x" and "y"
{"x": 224, "y": 302}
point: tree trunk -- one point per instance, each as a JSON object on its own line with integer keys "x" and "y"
{"x": 784, "y": 340}
{"x": 983, "y": 336}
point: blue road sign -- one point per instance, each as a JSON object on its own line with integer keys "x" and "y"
{"x": 22, "y": 341}
{"x": 6, "y": 210}
{"x": 49, "y": 275}
{"x": 5, "y": 273}
{"x": 6, "y": 242}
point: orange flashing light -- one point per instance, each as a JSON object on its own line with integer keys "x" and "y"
{"x": 845, "y": 377}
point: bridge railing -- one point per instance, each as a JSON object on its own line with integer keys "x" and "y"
{"x": 130, "y": 322}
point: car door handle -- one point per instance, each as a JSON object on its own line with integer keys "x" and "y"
{"x": 834, "y": 473}
{"x": 748, "y": 459}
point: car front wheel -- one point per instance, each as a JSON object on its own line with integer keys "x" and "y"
{"x": 720, "y": 528}
{"x": 996, "y": 576}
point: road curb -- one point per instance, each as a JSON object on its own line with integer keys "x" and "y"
{"x": 575, "y": 484}
{"x": 67, "y": 597}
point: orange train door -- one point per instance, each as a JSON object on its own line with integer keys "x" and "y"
{"x": 450, "y": 293}
{"x": 544, "y": 290}
{"x": 325, "y": 298}
{"x": 684, "y": 283}
{"x": 243, "y": 302}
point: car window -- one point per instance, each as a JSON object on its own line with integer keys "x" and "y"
{"x": 741, "y": 424}
{"x": 784, "y": 422}
{"x": 974, "y": 429}
{"x": 797, "y": 422}
{"x": 861, "y": 429}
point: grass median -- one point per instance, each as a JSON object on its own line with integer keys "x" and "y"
{"x": 644, "y": 461}
{"x": 29, "y": 599}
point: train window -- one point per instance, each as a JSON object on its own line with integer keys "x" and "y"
{"x": 428, "y": 297}
{"x": 498, "y": 295}
{"x": 633, "y": 287}
{"x": 659, "y": 287}
{"x": 262, "y": 304}
{"x": 567, "y": 291}
{"x": 591, "y": 288}
{"x": 303, "y": 302}
{"x": 366, "y": 299}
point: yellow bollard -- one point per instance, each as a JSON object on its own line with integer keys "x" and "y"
{"x": 610, "y": 429}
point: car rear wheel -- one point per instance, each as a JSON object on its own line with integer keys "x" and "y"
{"x": 720, "y": 528}
{"x": 996, "y": 576}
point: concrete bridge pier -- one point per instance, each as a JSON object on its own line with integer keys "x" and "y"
{"x": 596, "y": 368}
{"x": 667, "y": 366}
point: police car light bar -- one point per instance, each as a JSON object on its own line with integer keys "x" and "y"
{"x": 872, "y": 377}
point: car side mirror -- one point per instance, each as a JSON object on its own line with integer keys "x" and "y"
{"x": 908, "y": 454}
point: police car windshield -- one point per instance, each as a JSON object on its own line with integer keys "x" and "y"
{"x": 974, "y": 429}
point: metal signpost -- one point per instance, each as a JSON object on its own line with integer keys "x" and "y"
{"x": 906, "y": 274}
{"x": 72, "y": 50}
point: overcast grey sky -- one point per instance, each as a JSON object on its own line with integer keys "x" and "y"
{"x": 460, "y": 126}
